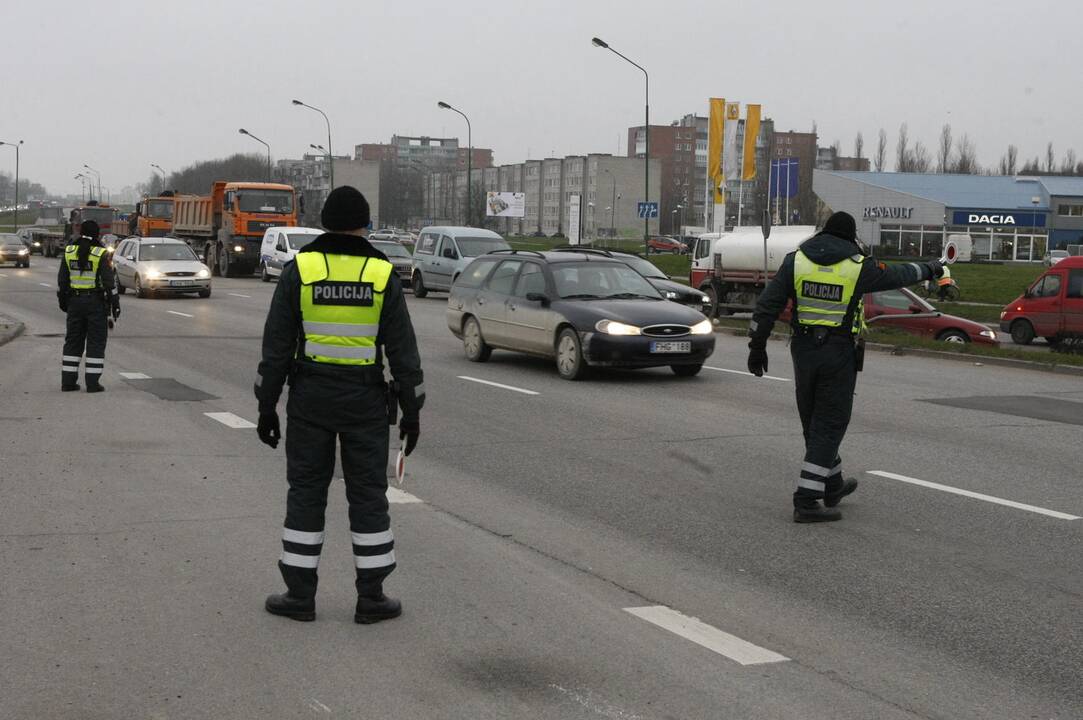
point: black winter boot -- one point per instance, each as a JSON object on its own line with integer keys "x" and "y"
{"x": 374, "y": 608}
{"x": 69, "y": 387}
{"x": 295, "y": 608}
{"x": 95, "y": 388}
{"x": 814, "y": 513}
{"x": 833, "y": 497}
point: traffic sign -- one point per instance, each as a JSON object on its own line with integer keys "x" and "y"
{"x": 647, "y": 210}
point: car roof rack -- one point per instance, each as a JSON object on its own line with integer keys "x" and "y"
{"x": 513, "y": 251}
{"x": 586, "y": 251}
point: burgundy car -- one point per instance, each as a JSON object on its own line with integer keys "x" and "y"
{"x": 661, "y": 244}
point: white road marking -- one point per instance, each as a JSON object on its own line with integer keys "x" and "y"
{"x": 746, "y": 373}
{"x": 134, "y": 376}
{"x": 174, "y": 312}
{"x": 701, "y": 633}
{"x": 318, "y": 706}
{"x": 3, "y": 275}
{"x": 238, "y": 295}
{"x": 496, "y": 384}
{"x": 975, "y": 495}
{"x": 45, "y": 285}
{"x": 230, "y": 420}
{"x": 394, "y": 495}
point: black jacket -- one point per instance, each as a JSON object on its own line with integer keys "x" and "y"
{"x": 283, "y": 335}
{"x": 827, "y": 249}
{"x": 106, "y": 282}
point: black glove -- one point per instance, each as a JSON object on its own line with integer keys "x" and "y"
{"x": 268, "y": 428}
{"x": 936, "y": 268}
{"x": 62, "y": 300}
{"x": 757, "y": 358}
{"x": 409, "y": 429}
{"x": 116, "y": 311}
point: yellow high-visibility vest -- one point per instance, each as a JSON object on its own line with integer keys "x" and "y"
{"x": 824, "y": 292}
{"x": 83, "y": 279}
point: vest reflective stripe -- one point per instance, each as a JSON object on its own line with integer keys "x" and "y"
{"x": 342, "y": 320}
{"x": 839, "y": 279}
{"x": 83, "y": 279}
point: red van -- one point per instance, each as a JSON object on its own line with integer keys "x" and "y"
{"x": 1051, "y": 308}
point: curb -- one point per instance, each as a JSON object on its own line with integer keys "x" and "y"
{"x": 901, "y": 350}
{"x": 10, "y": 329}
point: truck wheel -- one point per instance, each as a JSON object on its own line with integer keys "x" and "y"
{"x": 227, "y": 266}
{"x": 1022, "y": 332}
{"x": 210, "y": 259}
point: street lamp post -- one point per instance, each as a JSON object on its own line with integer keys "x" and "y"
{"x": 99, "y": 176}
{"x": 330, "y": 157}
{"x": 598, "y": 42}
{"x": 242, "y": 131}
{"x": 16, "y": 146}
{"x": 469, "y": 157}
{"x": 613, "y": 204}
{"x": 82, "y": 186}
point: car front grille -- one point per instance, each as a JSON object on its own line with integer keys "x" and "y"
{"x": 180, "y": 274}
{"x": 666, "y": 331}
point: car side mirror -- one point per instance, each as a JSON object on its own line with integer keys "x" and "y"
{"x": 538, "y": 298}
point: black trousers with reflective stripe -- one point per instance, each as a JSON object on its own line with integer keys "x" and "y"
{"x": 323, "y": 412}
{"x": 88, "y": 330}
{"x": 825, "y": 376}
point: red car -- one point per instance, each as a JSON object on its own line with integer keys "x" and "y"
{"x": 661, "y": 244}
{"x": 904, "y": 310}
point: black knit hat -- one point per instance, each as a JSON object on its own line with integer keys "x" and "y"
{"x": 90, "y": 229}
{"x": 842, "y": 225}
{"x": 346, "y": 209}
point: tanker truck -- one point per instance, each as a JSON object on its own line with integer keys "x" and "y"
{"x": 227, "y": 226}
{"x": 732, "y": 268}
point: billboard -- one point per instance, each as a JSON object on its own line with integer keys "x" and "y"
{"x": 505, "y": 204}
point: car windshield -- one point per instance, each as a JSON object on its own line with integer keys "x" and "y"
{"x": 267, "y": 201}
{"x": 596, "y": 280}
{"x": 159, "y": 209}
{"x": 299, "y": 240}
{"x": 166, "y": 251}
{"x": 475, "y": 246}
{"x": 391, "y": 249}
{"x": 644, "y": 267}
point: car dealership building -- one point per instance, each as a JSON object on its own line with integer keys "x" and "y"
{"x": 911, "y": 214}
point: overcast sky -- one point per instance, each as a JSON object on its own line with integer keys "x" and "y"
{"x": 119, "y": 85}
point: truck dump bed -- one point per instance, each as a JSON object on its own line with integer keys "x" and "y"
{"x": 193, "y": 215}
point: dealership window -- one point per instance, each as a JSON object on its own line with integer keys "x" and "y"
{"x": 1070, "y": 210}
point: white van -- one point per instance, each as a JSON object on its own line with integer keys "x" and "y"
{"x": 279, "y": 246}
{"x": 442, "y": 253}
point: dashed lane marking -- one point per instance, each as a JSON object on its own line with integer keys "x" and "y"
{"x": 133, "y": 376}
{"x": 977, "y": 496}
{"x": 174, "y": 312}
{"x": 230, "y": 420}
{"x": 396, "y": 496}
{"x": 498, "y": 385}
{"x": 746, "y": 373}
{"x": 702, "y": 634}
{"x": 3, "y": 275}
{"x": 45, "y": 285}
{"x": 239, "y": 295}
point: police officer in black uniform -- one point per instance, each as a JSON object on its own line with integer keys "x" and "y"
{"x": 825, "y": 278}
{"x": 87, "y": 293}
{"x": 337, "y": 311}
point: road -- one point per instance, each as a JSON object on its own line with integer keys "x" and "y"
{"x": 555, "y": 540}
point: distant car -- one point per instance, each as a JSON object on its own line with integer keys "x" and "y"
{"x": 13, "y": 250}
{"x": 382, "y": 234}
{"x": 280, "y": 245}
{"x": 399, "y": 257}
{"x": 443, "y": 252}
{"x": 661, "y": 244}
{"x": 1054, "y": 256}
{"x": 579, "y": 309}
{"x": 406, "y": 238}
{"x": 669, "y": 289}
{"x": 150, "y": 265}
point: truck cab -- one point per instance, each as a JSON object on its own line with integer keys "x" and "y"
{"x": 153, "y": 216}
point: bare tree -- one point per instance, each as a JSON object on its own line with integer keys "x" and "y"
{"x": 1032, "y": 167}
{"x": 881, "y": 151}
{"x": 859, "y": 146}
{"x": 1067, "y": 167}
{"x": 902, "y": 150}
{"x": 919, "y": 158}
{"x": 1050, "y": 158}
{"x": 966, "y": 158}
{"x": 1013, "y": 158}
{"x": 943, "y": 152}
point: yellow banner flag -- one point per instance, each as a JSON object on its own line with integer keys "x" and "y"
{"x": 715, "y": 132}
{"x": 752, "y": 131}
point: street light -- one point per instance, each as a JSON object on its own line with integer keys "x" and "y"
{"x": 16, "y": 146}
{"x": 613, "y": 204}
{"x": 330, "y": 158}
{"x": 242, "y": 131}
{"x": 99, "y": 176}
{"x": 469, "y": 155}
{"x": 598, "y": 42}
{"x": 82, "y": 186}
{"x": 159, "y": 169}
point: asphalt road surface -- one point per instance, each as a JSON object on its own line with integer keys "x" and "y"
{"x": 616, "y": 548}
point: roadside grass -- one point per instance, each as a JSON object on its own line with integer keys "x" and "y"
{"x": 997, "y": 284}
{"x": 978, "y": 313}
{"x": 26, "y": 217}
{"x": 901, "y": 339}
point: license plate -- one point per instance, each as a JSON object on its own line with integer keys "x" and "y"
{"x": 181, "y": 283}
{"x": 671, "y": 347}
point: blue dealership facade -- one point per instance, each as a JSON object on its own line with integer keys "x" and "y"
{"x": 912, "y": 214}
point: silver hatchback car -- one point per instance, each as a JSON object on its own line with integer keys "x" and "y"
{"x": 442, "y": 253}
{"x": 160, "y": 265}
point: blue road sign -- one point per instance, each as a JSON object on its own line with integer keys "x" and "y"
{"x": 647, "y": 209}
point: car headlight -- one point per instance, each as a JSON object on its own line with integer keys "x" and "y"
{"x": 238, "y": 248}
{"x": 989, "y": 334}
{"x": 37, "y": 243}
{"x": 24, "y": 251}
{"x": 706, "y": 299}
{"x": 153, "y": 274}
{"x": 612, "y": 327}
{"x": 670, "y": 295}
{"x": 702, "y": 328}
{"x": 203, "y": 274}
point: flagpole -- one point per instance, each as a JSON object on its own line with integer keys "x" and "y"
{"x": 770, "y": 174}
{"x": 741, "y": 174}
{"x": 788, "y": 165}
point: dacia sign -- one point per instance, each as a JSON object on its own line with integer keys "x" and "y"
{"x": 894, "y": 213}
{"x": 998, "y": 218}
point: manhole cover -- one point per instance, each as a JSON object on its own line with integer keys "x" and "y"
{"x": 170, "y": 389}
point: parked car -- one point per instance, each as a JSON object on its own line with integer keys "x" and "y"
{"x": 443, "y": 252}
{"x": 1054, "y": 256}
{"x": 580, "y": 309}
{"x": 13, "y": 250}
{"x": 150, "y": 265}
{"x": 669, "y": 289}
{"x": 661, "y": 244}
{"x": 1052, "y": 307}
{"x": 400, "y": 257}
{"x": 406, "y": 238}
{"x": 280, "y": 245}
{"x": 382, "y": 234}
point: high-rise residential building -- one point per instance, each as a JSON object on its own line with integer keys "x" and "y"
{"x": 435, "y": 153}
{"x": 674, "y": 146}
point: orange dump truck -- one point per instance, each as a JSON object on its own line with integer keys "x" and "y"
{"x": 227, "y": 226}
{"x": 153, "y": 216}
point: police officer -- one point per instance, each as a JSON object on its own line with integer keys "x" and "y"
{"x": 825, "y": 278}
{"x": 337, "y": 311}
{"x": 943, "y": 284}
{"x": 86, "y": 292}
